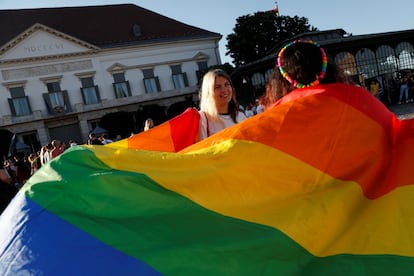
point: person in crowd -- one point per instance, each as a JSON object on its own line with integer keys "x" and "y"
{"x": 375, "y": 88}
{"x": 105, "y": 139}
{"x": 149, "y": 123}
{"x": 93, "y": 140}
{"x": 33, "y": 160}
{"x": 72, "y": 143}
{"x": 7, "y": 188}
{"x": 45, "y": 153}
{"x": 22, "y": 170}
{"x": 259, "y": 107}
{"x": 300, "y": 64}
{"x": 57, "y": 148}
{"x": 11, "y": 170}
{"x": 404, "y": 90}
{"x": 249, "y": 111}
{"x": 218, "y": 105}
{"x": 410, "y": 84}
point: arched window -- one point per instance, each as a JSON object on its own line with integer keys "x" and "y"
{"x": 386, "y": 60}
{"x": 258, "y": 80}
{"x": 366, "y": 63}
{"x": 405, "y": 55}
{"x": 347, "y": 62}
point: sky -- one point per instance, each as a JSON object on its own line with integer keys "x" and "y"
{"x": 356, "y": 17}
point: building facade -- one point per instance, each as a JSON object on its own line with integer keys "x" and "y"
{"x": 62, "y": 69}
{"x": 383, "y": 57}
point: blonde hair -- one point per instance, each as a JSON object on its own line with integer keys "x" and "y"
{"x": 149, "y": 123}
{"x": 207, "y": 101}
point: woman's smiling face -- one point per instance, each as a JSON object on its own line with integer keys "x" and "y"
{"x": 223, "y": 91}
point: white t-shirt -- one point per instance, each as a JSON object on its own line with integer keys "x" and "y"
{"x": 259, "y": 109}
{"x": 208, "y": 128}
{"x": 249, "y": 113}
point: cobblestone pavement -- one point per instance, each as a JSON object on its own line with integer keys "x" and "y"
{"x": 403, "y": 111}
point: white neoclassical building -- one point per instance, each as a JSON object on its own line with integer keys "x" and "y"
{"x": 62, "y": 69}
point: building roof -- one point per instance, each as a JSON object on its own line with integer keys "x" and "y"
{"x": 103, "y": 26}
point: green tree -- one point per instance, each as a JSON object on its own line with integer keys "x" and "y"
{"x": 255, "y": 36}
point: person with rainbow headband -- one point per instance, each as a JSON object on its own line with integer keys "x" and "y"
{"x": 300, "y": 64}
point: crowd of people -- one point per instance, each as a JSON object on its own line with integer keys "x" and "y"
{"x": 13, "y": 175}
{"x": 406, "y": 89}
{"x": 20, "y": 167}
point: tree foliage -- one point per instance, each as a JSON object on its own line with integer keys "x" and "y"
{"x": 255, "y": 36}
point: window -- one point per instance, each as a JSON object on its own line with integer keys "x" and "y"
{"x": 53, "y": 86}
{"x": 202, "y": 69}
{"x": 89, "y": 90}
{"x": 258, "y": 80}
{"x": 179, "y": 79}
{"x": 367, "y": 63}
{"x": 151, "y": 83}
{"x": 405, "y": 54}
{"x": 57, "y": 101}
{"x": 19, "y": 102}
{"x": 386, "y": 59}
{"x": 121, "y": 86}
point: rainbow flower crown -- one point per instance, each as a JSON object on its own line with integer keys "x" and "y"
{"x": 286, "y": 76}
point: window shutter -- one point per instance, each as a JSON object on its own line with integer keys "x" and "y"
{"x": 157, "y": 81}
{"x": 13, "y": 111}
{"x": 83, "y": 95}
{"x": 68, "y": 108}
{"x": 129, "y": 88}
{"x": 98, "y": 95}
{"x": 28, "y": 104}
{"x": 48, "y": 103}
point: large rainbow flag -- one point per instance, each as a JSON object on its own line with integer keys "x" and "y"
{"x": 321, "y": 184}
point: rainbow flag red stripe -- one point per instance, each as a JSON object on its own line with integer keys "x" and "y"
{"x": 318, "y": 185}
{"x": 171, "y": 136}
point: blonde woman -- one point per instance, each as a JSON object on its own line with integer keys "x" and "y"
{"x": 218, "y": 105}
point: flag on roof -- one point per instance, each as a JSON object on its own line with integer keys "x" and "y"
{"x": 321, "y": 184}
{"x": 275, "y": 9}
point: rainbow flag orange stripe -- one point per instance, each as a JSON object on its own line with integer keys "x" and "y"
{"x": 171, "y": 136}
{"x": 317, "y": 185}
